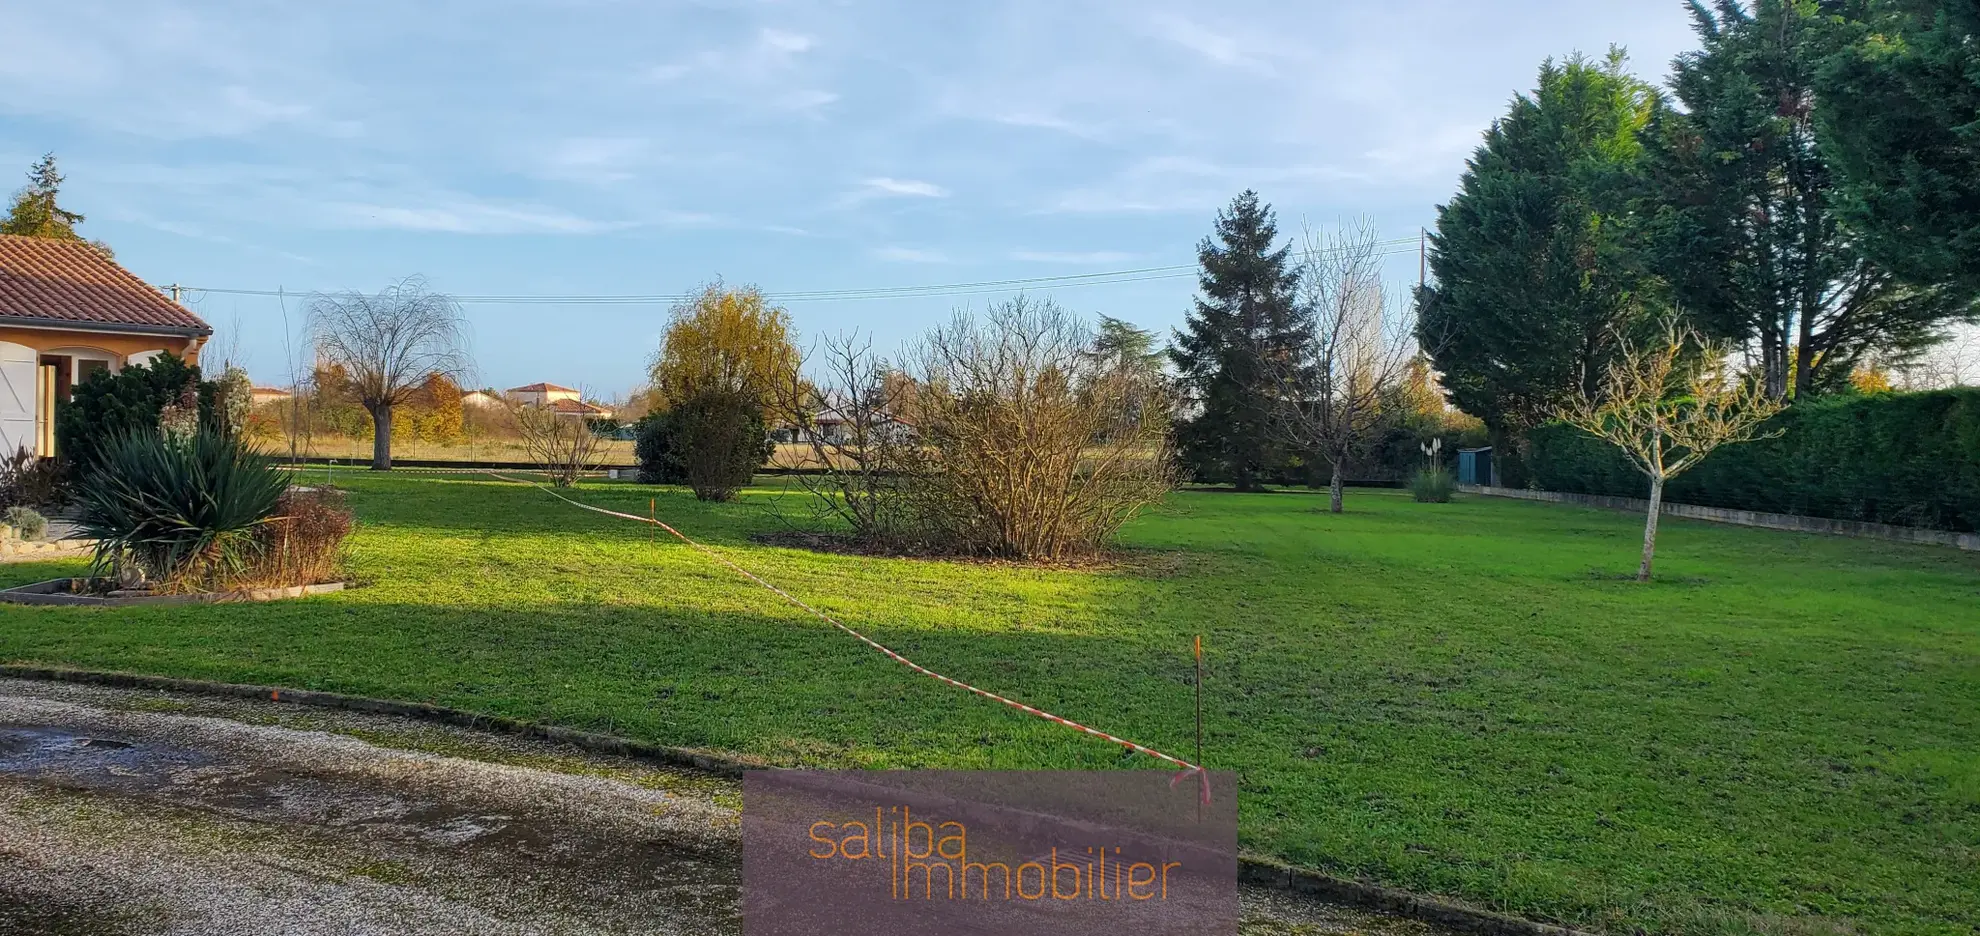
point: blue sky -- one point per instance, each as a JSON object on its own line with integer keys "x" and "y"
{"x": 584, "y": 147}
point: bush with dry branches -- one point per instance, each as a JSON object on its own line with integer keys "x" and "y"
{"x": 1003, "y": 435}
{"x": 562, "y": 444}
{"x": 1667, "y": 404}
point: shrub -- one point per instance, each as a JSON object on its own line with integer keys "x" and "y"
{"x": 563, "y": 446}
{"x": 1911, "y": 459}
{"x": 27, "y": 480}
{"x": 108, "y": 405}
{"x": 712, "y": 442}
{"x": 1432, "y": 486}
{"x": 27, "y": 524}
{"x": 179, "y": 514}
{"x": 303, "y": 543}
{"x": 1028, "y": 444}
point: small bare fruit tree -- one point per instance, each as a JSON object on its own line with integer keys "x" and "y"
{"x": 388, "y": 344}
{"x": 1331, "y": 393}
{"x": 1667, "y": 404}
{"x": 563, "y": 444}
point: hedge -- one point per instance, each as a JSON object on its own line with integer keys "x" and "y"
{"x": 1911, "y": 459}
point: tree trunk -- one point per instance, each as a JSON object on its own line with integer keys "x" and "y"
{"x": 1335, "y": 489}
{"x": 1650, "y": 529}
{"x": 381, "y": 437}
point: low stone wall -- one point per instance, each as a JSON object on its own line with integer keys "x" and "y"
{"x": 1771, "y": 521}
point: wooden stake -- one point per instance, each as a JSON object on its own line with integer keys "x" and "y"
{"x": 653, "y": 513}
{"x": 1199, "y": 717}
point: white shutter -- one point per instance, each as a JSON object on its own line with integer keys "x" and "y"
{"x": 142, "y": 357}
{"x": 18, "y": 380}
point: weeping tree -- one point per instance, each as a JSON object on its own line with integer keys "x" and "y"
{"x": 388, "y": 344}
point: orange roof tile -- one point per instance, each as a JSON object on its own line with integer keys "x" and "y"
{"x": 71, "y": 284}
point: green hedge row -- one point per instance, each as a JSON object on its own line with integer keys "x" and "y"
{"x": 1911, "y": 459}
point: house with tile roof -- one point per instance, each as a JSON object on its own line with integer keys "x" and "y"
{"x": 541, "y": 394}
{"x": 68, "y": 311}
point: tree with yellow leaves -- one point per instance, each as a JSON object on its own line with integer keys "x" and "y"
{"x": 725, "y": 341}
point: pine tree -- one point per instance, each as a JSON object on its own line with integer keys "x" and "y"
{"x": 1534, "y": 275}
{"x": 1247, "y": 309}
{"x": 1748, "y": 232}
{"x": 35, "y": 212}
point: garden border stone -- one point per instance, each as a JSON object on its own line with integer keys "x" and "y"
{"x": 1251, "y": 870}
{"x": 1753, "y": 518}
{"x": 56, "y": 592}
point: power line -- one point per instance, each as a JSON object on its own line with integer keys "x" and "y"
{"x": 938, "y": 290}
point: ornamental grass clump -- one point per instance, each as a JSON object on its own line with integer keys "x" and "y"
{"x": 1432, "y": 486}
{"x": 176, "y": 512}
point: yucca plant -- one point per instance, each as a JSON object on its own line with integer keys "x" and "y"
{"x": 179, "y": 512}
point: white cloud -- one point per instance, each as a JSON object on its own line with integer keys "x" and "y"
{"x": 1082, "y": 258}
{"x": 807, "y": 99}
{"x": 884, "y": 185}
{"x": 910, "y": 255}
{"x": 594, "y": 159}
{"x": 787, "y": 42}
{"x": 465, "y": 217}
{"x": 1204, "y": 41}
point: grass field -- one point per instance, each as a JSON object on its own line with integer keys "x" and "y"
{"x": 1782, "y": 735}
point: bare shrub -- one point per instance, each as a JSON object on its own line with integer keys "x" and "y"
{"x": 854, "y": 448}
{"x": 562, "y": 444}
{"x": 303, "y": 543}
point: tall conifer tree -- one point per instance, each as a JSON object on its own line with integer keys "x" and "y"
{"x": 1533, "y": 276}
{"x": 1246, "y": 308}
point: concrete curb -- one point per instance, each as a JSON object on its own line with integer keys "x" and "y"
{"x": 1251, "y": 870}
{"x": 1794, "y": 523}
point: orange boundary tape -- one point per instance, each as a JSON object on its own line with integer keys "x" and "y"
{"x": 1187, "y": 767}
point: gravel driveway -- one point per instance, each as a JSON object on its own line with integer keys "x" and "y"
{"x": 126, "y": 812}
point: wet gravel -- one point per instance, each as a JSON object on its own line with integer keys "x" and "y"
{"x": 141, "y": 813}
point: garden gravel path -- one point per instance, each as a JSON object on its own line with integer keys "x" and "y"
{"x": 142, "y": 813}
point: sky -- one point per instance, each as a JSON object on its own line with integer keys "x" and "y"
{"x": 645, "y": 147}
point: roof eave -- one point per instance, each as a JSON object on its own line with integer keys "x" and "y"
{"x": 114, "y": 328}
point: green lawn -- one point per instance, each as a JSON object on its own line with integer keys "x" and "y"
{"x": 1781, "y": 735}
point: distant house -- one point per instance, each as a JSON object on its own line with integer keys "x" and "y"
{"x": 262, "y": 395}
{"x": 563, "y": 401}
{"x": 542, "y": 394}
{"x": 68, "y": 311}
{"x": 580, "y": 408}
{"x": 480, "y": 399}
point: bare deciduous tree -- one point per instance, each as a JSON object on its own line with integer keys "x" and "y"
{"x": 1330, "y": 395}
{"x": 1667, "y": 404}
{"x": 846, "y": 419}
{"x": 388, "y": 344}
{"x": 563, "y": 444}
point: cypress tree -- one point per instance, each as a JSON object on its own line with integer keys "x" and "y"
{"x": 1534, "y": 277}
{"x": 1898, "y": 112}
{"x": 1246, "y": 308}
{"x": 1749, "y": 234}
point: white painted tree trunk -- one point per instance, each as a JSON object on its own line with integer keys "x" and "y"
{"x": 1650, "y": 529}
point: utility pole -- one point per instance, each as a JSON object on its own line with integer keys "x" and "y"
{"x": 1422, "y": 257}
